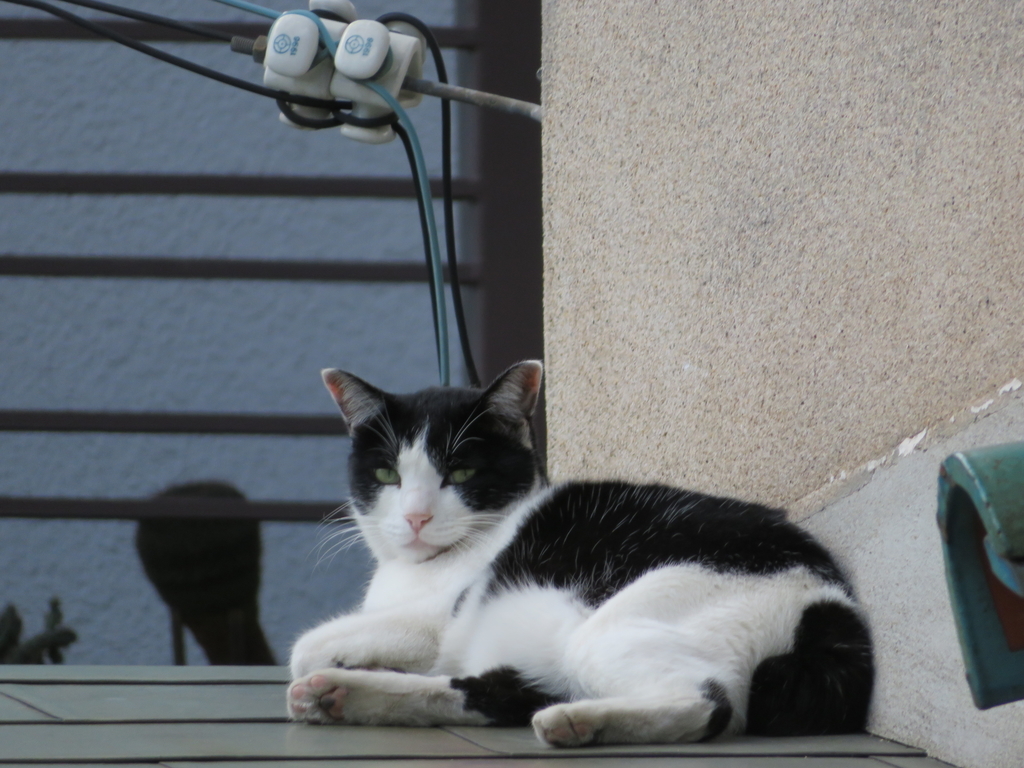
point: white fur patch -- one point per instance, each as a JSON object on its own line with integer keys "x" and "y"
{"x": 367, "y": 697}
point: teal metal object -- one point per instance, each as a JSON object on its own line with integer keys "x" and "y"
{"x": 981, "y": 518}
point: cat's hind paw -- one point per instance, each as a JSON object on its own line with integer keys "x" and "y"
{"x": 316, "y": 699}
{"x": 564, "y": 725}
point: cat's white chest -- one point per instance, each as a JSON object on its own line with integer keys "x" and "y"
{"x": 398, "y": 583}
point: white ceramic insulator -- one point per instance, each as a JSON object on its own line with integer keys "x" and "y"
{"x": 410, "y": 99}
{"x": 404, "y": 51}
{"x": 381, "y": 135}
{"x": 316, "y": 83}
{"x": 363, "y": 49}
{"x": 291, "y": 45}
{"x": 342, "y": 8}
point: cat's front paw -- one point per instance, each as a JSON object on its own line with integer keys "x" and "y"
{"x": 368, "y": 697}
{"x": 341, "y": 643}
{"x": 317, "y": 699}
{"x": 360, "y": 641}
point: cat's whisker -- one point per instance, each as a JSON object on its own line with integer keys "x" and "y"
{"x": 337, "y": 515}
{"x": 392, "y": 438}
{"x": 331, "y": 538}
{"x": 469, "y": 422}
{"x": 387, "y": 440}
{"x": 337, "y": 532}
{"x": 339, "y": 542}
{"x": 465, "y": 425}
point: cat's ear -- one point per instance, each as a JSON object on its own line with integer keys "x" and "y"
{"x": 359, "y": 401}
{"x": 513, "y": 395}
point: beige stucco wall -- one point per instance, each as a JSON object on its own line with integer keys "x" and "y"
{"x": 784, "y": 260}
{"x": 780, "y": 237}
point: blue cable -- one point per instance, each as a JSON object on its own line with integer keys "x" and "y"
{"x": 435, "y": 251}
{"x": 325, "y": 36}
{"x": 437, "y": 276}
{"x": 251, "y": 8}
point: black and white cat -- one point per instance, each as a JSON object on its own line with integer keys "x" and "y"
{"x": 600, "y": 612}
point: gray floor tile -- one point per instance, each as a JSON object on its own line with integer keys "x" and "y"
{"x": 56, "y": 673}
{"x": 749, "y": 761}
{"x": 14, "y": 711}
{"x": 912, "y": 762}
{"x": 241, "y": 741}
{"x": 144, "y": 701}
{"x": 521, "y": 741}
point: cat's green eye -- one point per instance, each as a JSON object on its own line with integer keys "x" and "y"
{"x": 460, "y": 475}
{"x": 386, "y": 475}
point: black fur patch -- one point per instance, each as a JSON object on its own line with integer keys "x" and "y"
{"x": 596, "y": 538}
{"x": 459, "y": 601}
{"x": 714, "y": 692}
{"x": 503, "y": 696}
{"x": 823, "y": 685}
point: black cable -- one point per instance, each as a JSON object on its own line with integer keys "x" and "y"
{"x": 156, "y": 53}
{"x": 446, "y": 181}
{"x": 316, "y": 123}
{"x": 163, "y": 21}
{"x": 284, "y": 101}
{"x": 422, "y": 205}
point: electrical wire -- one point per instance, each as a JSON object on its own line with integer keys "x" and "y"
{"x": 259, "y": 10}
{"x": 316, "y": 123}
{"x": 476, "y": 98}
{"x": 152, "y": 18}
{"x": 306, "y": 101}
{"x": 339, "y": 117}
{"x": 425, "y": 205}
{"x": 424, "y": 227}
{"x": 446, "y": 182}
{"x": 326, "y": 40}
{"x": 435, "y": 251}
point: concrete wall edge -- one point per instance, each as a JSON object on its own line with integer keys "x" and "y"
{"x": 848, "y": 482}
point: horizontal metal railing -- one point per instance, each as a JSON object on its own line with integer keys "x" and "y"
{"x": 167, "y": 507}
{"x": 42, "y": 183}
{"x": 192, "y": 268}
{"x": 464, "y": 38}
{"x": 170, "y": 423}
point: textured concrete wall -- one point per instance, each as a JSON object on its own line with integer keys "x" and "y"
{"x": 780, "y": 237}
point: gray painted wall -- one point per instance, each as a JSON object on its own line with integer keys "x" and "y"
{"x": 887, "y": 539}
{"x": 168, "y": 345}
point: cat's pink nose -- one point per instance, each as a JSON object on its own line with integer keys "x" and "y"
{"x": 416, "y": 522}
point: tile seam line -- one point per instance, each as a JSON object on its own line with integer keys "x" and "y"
{"x": 113, "y": 681}
{"x": 155, "y": 721}
{"x": 579, "y": 752}
{"x": 32, "y": 707}
{"x": 886, "y": 763}
{"x": 447, "y": 729}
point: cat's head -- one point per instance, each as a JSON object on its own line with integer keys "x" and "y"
{"x": 436, "y": 469}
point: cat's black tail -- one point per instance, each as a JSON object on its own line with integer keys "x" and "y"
{"x": 823, "y": 685}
